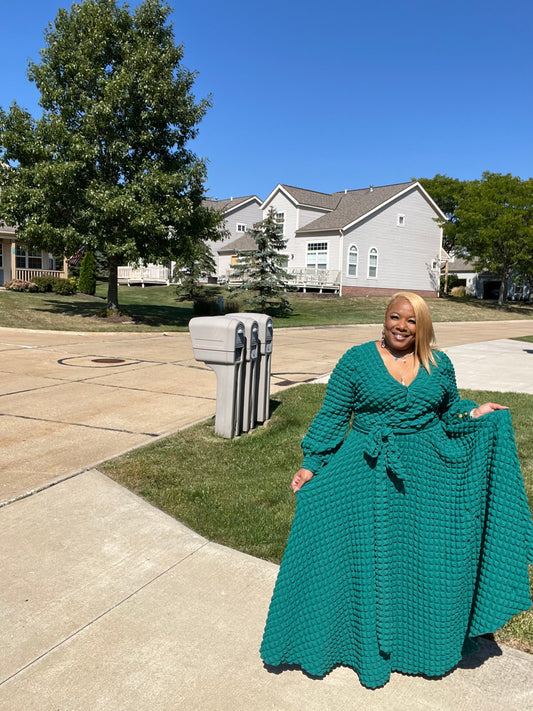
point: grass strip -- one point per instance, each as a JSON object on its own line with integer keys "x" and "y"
{"x": 157, "y": 308}
{"x": 236, "y": 492}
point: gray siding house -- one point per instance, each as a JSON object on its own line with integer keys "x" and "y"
{"x": 371, "y": 241}
{"x": 240, "y": 215}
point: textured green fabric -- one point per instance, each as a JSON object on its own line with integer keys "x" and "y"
{"x": 412, "y": 538}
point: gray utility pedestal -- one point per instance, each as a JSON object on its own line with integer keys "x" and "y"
{"x": 247, "y": 394}
{"x": 238, "y": 347}
{"x": 220, "y": 342}
{"x": 263, "y": 365}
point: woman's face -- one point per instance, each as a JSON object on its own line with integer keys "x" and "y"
{"x": 399, "y": 328}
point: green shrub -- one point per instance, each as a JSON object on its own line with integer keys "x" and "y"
{"x": 87, "y": 278}
{"x": 205, "y": 307}
{"x": 21, "y": 285}
{"x": 45, "y": 283}
{"x": 64, "y": 287}
{"x": 232, "y": 307}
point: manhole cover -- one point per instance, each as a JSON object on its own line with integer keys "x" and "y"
{"x": 108, "y": 360}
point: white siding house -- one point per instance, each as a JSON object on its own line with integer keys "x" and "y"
{"x": 375, "y": 240}
{"x": 240, "y": 215}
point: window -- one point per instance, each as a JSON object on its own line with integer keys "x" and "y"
{"x": 280, "y": 219}
{"x": 27, "y": 260}
{"x": 373, "y": 263}
{"x": 401, "y": 221}
{"x": 1, "y": 256}
{"x": 241, "y": 227}
{"x": 352, "y": 261}
{"x": 317, "y": 255}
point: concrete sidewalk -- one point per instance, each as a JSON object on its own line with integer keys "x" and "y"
{"x": 109, "y": 603}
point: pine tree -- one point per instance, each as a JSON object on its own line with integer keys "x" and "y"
{"x": 87, "y": 278}
{"x": 261, "y": 270}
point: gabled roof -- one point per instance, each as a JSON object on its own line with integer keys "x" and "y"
{"x": 312, "y": 198}
{"x": 459, "y": 264}
{"x": 245, "y": 243}
{"x": 352, "y": 205}
{"x": 229, "y": 204}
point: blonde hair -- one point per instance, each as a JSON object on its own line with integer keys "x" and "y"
{"x": 425, "y": 335}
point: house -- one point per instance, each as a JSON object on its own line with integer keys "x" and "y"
{"x": 371, "y": 241}
{"x": 240, "y": 215}
{"x": 17, "y": 263}
{"x": 483, "y": 284}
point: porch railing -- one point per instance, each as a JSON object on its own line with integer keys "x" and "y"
{"x": 315, "y": 279}
{"x": 29, "y": 274}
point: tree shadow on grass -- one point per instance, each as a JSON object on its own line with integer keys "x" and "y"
{"x": 512, "y": 307}
{"x": 169, "y": 316}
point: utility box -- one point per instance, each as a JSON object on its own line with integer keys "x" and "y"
{"x": 246, "y": 408}
{"x": 238, "y": 347}
{"x": 263, "y": 365}
{"x": 220, "y": 342}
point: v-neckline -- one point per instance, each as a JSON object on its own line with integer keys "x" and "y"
{"x": 391, "y": 376}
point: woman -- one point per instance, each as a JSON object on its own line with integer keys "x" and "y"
{"x": 412, "y": 532}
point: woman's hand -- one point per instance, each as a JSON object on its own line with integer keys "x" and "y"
{"x": 486, "y": 408}
{"x": 300, "y": 478}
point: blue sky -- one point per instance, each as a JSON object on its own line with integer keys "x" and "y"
{"x": 340, "y": 94}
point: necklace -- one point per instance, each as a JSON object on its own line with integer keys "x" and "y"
{"x": 403, "y": 358}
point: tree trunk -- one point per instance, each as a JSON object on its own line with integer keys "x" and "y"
{"x": 503, "y": 289}
{"x": 112, "y": 287}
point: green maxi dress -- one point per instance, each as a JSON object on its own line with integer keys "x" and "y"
{"x": 412, "y": 538}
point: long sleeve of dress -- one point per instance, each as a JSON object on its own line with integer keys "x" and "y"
{"x": 454, "y": 410}
{"x": 329, "y": 427}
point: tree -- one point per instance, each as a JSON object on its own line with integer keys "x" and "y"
{"x": 87, "y": 278}
{"x": 447, "y": 193}
{"x": 195, "y": 261}
{"x": 261, "y": 270}
{"x": 107, "y": 166}
{"x": 494, "y": 225}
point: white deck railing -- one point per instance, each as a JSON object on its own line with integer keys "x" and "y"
{"x": 329, "y": 279}
{"x": 144, "y": 275}
{"x": 29, "y": 274}
{"x": 315, "y": 279}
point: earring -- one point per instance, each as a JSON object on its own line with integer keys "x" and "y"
{"x": 383, "y": 338}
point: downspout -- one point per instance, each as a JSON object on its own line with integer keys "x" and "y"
{"x": 341, "y": 258}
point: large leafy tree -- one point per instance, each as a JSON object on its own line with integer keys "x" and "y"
{"x": 494, "y": 224}
{"x": 447, "y": 193}
{"x": 261, "y": 271}
{"x": 107, "y": 165}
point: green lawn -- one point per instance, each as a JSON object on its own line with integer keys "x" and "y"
{"x": 236, "y": 492}
{"x": 156, "y": 308}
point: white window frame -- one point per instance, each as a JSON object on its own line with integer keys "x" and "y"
{"x": 280, "y": 221}
{"x": 317, "y": 248}
{"x": 352, "y": 249}
{"x": 241, "y": 227}
{"x": 22, "y": 255}
{"x": 373, "y": 252}
{"x": 400, "y": 222}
